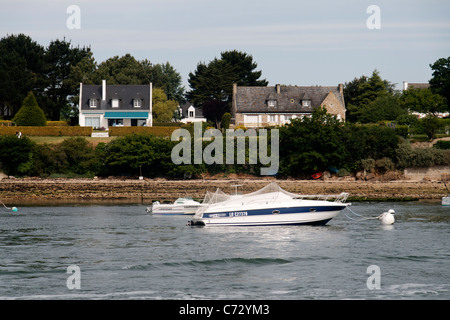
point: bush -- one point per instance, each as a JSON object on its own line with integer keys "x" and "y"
{"x": 30, "y": 114}
{"x": 157, "y": 131}
{"x": 226, "y": 119}
{"x": 408, "y": 157}
{"x": 16, "y": 155}
{"x": 384, "y": 165}
{"x": 441, "y": 144}
{"x": 57, "y": 123}
{"x": 132, "y": 154}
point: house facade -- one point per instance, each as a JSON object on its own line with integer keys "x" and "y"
{"x": 115, "y": 105}
{"x": 277, "y": 105}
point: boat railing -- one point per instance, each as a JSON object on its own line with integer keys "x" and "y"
{"x": 341, "y": 198}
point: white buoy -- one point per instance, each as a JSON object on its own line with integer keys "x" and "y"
{"x": 387, "y": 217}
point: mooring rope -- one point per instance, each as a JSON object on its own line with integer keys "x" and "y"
{"x": 359, "y": 219}
{"x": 4, "y": 205}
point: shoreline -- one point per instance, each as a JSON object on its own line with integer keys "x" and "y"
{"x": 31, "y": 191}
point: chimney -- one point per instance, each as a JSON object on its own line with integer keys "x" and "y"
{"x": 278, "y": 88}
{"x": 341, "y": 88}
{"x": 405, "y": 85}
{"x": 103, "y": 90}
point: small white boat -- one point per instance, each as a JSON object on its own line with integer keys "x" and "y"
{"x": 181, "y": 206}
{"x": 446, "y": 201}
{"x": 269, "y": 206}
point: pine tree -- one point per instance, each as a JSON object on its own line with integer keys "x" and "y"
{"x": 30, "y": 114}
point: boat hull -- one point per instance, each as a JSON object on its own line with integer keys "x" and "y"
{"x": 173, "y": 209}
{"x": 446, "y": 201}
{"x": 272, "y": 216}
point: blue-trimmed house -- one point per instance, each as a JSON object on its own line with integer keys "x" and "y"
{"x": 104, "y": 106}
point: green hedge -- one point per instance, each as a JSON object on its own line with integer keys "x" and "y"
{"x": 157, "y": 131}
{"x": 57, "y": 123}
{"x": 47, "y": 131}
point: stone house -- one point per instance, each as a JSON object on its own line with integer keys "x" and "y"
{"x": 277, "y": 105}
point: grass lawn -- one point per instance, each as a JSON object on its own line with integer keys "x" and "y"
{"x": 56, "y": 140}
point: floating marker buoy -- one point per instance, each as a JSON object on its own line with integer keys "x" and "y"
{"x": 387, "y": 217}
{"x": 14, "y": 209}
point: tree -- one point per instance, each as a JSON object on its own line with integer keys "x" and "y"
{"x": 214, "y": 81}
{"x": 213, "y": 110}
{"x": 165, "y": 76}
{"x": 440, "y": 81}
{"x": 123, "y": 70}
{"x": 163, "y": 109}
{"x": 59, "y": 57}
{"x": 311, "y": 145}
{"x": 431, "y": 125}
{"x": 362, "y": 91}
{"x": 385, "y": 107}
{"x": 21, "y": 70}
{"x": 244, "y": 67}
{"x": 423, "y": 101}
{"x": 129, "y": 70}
{"x": 30, "y": 114}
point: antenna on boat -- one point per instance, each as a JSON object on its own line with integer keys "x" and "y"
{"x": 236, "y": 186}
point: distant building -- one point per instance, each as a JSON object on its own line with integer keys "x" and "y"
{"x": 115, "y": 105}
{"x": 189, "y": 113}
{"x": 407, "y": 85}
{"x": 276, "y": 105}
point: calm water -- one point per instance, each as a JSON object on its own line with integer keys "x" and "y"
{"x": 124, "y": 253}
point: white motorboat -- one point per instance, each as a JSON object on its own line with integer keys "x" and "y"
{"x": 181, "y": 206}
{"x": 269, "y": 206}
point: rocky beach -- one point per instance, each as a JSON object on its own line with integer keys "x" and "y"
{"x": 41, "y": 191}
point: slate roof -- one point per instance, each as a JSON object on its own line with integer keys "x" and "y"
{"x": 184, "y": 109}
{"x": 125, "y": 93}
{"x": 289, "y": 100}
{"x": 418, "y": 85}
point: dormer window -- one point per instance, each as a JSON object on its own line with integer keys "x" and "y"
{"x": 137, "y": 103}
{"x": 93, "y": 103}
{"x": 272, "y": 103}
{"x": 115, "y": 103}
{"x": 306, "y": 103}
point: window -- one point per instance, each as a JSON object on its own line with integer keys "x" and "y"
{"x": 115, "y": 122}
{"x": 272, "y": 103}
{"x": 191, "y": 114}
{"x": 115, "y": 103}
{"x": 93, "y": 103}
{"x": 93, "y": 122}
{"x": 137, "y": 103}
{"x": 306, "y": 103}
{"x": 272, "y": 118}
{"x": 251, "y": 119}
{"x": 138, "y": 123}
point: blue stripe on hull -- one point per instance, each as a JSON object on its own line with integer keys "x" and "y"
{"x": 270, "y": 211}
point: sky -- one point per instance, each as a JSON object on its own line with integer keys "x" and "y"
{"x": 320, "y": 42}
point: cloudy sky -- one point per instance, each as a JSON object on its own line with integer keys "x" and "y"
{"x": 294, "y": 42}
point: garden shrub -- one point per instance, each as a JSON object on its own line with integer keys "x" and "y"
{"x": 30, "y": 114}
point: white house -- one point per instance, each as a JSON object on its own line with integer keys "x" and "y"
{"x": 115, "y": 105}
{"x": 189, "y": 113}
